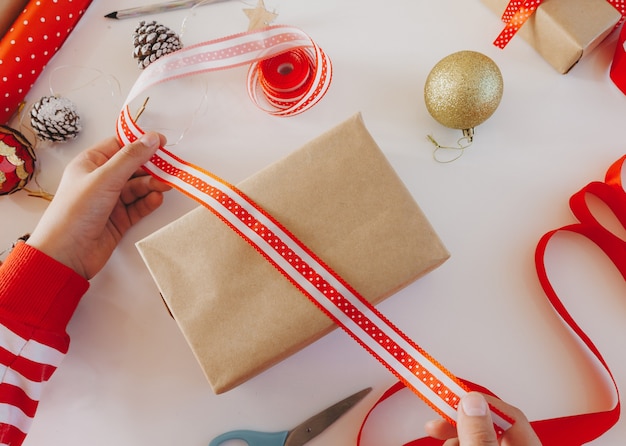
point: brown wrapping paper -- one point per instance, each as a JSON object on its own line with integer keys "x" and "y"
{"x": 9, "y": 10}
{"x": 563, "y": 31}
{"x": 339, "y": 195}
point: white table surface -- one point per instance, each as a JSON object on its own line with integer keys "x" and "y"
{"x": 130, "y": 378}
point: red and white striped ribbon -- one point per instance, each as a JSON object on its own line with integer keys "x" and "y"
{"x": 417, "y": 369}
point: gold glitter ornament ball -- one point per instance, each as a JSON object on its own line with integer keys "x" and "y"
{"x": 463, "y": 90}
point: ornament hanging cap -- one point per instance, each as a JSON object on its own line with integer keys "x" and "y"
{"x": 461, "y": 92}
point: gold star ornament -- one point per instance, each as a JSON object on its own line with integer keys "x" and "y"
{"x": 259, "y": 16}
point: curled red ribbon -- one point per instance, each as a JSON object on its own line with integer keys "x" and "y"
{"x": 574, "y": 430}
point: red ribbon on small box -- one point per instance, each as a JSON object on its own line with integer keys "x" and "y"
{"x": 518, "y": 12}
{"x": 35, "y": 37}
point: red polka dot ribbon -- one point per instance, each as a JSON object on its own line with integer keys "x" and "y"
{"x": 518, "y": 12}
{"x": 577, "y": 429}
{"x": 515, "y": 15}
{"x": 36, "y": 36}
{"x": 275, "y": 52}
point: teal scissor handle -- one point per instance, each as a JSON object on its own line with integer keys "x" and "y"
{"x": 252, "y": 438}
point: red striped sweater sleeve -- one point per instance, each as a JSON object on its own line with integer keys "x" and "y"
{"x": 38, "y": 296}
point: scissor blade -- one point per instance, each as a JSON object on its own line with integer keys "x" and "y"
{"x": 317, "y": 424}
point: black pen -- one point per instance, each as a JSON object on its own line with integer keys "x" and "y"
{"x": 160, "y": 7}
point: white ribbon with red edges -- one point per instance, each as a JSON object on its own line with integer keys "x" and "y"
{"x": 411, "y": 364}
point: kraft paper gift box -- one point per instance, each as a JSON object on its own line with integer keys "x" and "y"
{"x": 340, "y": 196}
{"x": 563, "y": 31}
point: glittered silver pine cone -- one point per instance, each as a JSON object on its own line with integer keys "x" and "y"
{"x": 153, "y": 40}
{"x": 55, "y": 119}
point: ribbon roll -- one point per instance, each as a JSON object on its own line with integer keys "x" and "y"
{"x": 286, "y": 78}
{"x": 294, "y": 74}
{"x": 35, "y": 37}
{"x": 293, "y": 47}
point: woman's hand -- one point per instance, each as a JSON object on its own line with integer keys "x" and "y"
{"x": 103, "y": 192}
{"x": 475, "y": 427}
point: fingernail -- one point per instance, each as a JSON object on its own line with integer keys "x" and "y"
{"x": 474, "y": 405}
{"x": 150, "y": 139}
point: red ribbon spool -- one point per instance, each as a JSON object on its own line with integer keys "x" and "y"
{"x": 286, "y": 78}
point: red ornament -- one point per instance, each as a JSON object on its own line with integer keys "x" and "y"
{"x": 17, "y": 160}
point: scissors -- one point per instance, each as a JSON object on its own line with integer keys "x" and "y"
{"x": 299, "y": 435}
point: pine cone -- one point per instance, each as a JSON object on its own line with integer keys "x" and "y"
{"x": 55, "y": 119}
{"x": 153, "y": 40}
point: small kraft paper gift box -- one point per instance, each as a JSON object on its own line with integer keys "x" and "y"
{"x": 564, "y": 31}
{"x": 339, "y": 196}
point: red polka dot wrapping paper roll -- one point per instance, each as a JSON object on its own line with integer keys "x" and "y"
{"x": 35, "y": 37}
